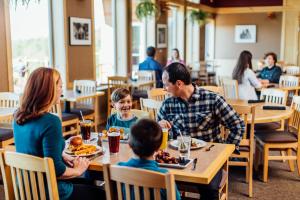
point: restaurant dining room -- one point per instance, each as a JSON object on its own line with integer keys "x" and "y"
{"x": 149, "y": 99}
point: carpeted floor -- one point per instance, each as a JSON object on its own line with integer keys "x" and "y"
{"x": 282, "y": 184}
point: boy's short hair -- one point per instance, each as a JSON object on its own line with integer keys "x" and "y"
{"x": 118, "y": 94}
{"x": 145, "y": 137}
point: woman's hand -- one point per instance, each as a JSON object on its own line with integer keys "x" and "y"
{"x": 165, "y": 124}
{"x": 80, "y": 165}
{"x": 68, "y": 159}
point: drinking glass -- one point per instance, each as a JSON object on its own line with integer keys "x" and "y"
{"x": 85, "y": 129}
{"x": 114, "y": 142}
{"x": 164, "y": 142}
{"x": 184, "y": 146}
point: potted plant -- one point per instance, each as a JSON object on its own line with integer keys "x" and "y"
{"x": 147, "y": 8}
{"x": 199, "y": 16}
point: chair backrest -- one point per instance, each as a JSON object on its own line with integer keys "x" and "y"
{"x": 26, "y": 177}
{"x": 56, "y": 109}
{"x": 151, "y": 106}
{"x": 114, "y": 82}
{"x": 146, "y": 75}
{"x": 288, "y": 81}
{"x": 245, "y": 113}
{"x": 158, "y": 94}
{"x": 138, "y": 113}
{"x": 130, "y": 180}
{"x": 272, "y": 95}
{"x": 9, "y": 100}
{"x": 294, "y": 121}
{"x": 215, "y": 89}
{"x": 230, "y": 88}
{"x": 85, "y": 86}
{"x": 292, "y": 70}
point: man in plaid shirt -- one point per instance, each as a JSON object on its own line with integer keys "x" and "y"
{"x": 199, "y": 113}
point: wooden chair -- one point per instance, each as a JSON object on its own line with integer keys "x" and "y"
{"x": 289, "y": 81}
{"x": 158, "y": 94}
{"x": 132, "y": 179}
{"x": 69, "y": 121}
{"x": 7, "y": 100}
{"x": 215, "y": 89}
{"x": 287, "y": 141}
{"x": 86, "y": 106}
{"x": 292, "y": 70}
{"x": 26, "y": 181}
{"x": 246, "y": 145}
{"x": 230, "y": 88}
{"x": 151, "y": 106}
{"x": 146, "y": 75}
{"x": 115, "y": 82}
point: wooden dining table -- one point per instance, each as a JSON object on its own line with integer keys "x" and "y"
{"x": 208, "y": 164}
{"x": 261, "y": 115}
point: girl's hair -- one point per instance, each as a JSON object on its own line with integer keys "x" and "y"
{"x": 119, "y": 94}
{"x": 243, "y": 63}
{"x": 175, "y": 49}
{"x": 39, "y": 94}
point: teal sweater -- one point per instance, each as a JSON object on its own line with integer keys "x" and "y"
{"x": 43, "y": 137}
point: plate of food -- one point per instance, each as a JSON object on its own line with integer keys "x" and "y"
{"x": 164, "y": 159}
{"x": 124, "y": 136}
{"x": 195, "y": 144}
{"x": 76, "y": 147}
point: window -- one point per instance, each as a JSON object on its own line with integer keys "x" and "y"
{"x": 209, "y": 40}
{"x": 172, "y": 30}
{"x": 192, "y": 41}
{"x": 104, "y": 40}
{"x": 31, "y": 39}
{"x": 138, "y": 38}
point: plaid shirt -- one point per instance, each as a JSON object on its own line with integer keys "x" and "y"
{"x": 202, "y": 116}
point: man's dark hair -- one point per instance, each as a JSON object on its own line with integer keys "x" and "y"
{"x": 151, "y": 51}
{"x": 274, "y": 56}
{"x": 145, "y": 137}
{"x": 178, "y": 71}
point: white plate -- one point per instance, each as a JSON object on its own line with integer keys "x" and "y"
{"x": 177, "y": 166}
{"x": 99, "y": 150}
{"x": 200, "y": 144}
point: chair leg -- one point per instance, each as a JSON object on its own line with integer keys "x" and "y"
{"x": 250, "y": 179}
{"x": 247, "y": 174}
{"x": 266, "y": 163}
{"x": 282, "y": 153}
{"x": 291, "y": 162}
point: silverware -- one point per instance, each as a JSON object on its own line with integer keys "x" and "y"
{"x": 194, "y": 163}
{"x": 211, "y": 146}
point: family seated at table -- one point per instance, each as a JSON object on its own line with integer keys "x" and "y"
{"x": 191, "y": 110}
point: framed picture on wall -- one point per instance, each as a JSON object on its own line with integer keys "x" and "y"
{"x": 80, "y": 31}
{"x": 245, "y": 33}
{"x": 161, "y": 36}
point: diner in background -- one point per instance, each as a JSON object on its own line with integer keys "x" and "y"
{"x": 37, "y": 132}
{"x": 175, "y": 57}
{"x": 270, "y": 73}
{"x": 151, "y": 64}
{"x": 199, "y": 113}
{"x": 246, "y": 78}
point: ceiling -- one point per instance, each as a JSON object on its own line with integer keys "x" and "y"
{"x": 241, "y": 3}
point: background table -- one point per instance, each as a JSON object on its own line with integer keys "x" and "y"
{"x": 264, "y": 116}
{"x": 209, "y": 162}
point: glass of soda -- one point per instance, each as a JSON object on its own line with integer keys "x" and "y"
{"x": 85, "y": 129}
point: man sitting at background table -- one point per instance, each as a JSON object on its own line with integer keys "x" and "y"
{"x": 152, "y": 65}
{"x": 199, "y": 113}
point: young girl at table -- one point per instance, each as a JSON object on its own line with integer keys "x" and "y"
{"x": 144, "y": 140}
{"x": 122, "y": 103}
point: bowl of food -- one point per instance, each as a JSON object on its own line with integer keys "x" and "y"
{"x": 164, "y": 159}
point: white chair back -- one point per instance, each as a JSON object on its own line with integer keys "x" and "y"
{"x": 230, "y": 88}
{"x": 146, "y": 75}
{"x": 9, "y": 100}
{"x": 292, "y": 70}
{"x": 85, "y": 86}
{"x": 151, "y": 106}
{"x": 274, "y": 96}
{"x": 288, "y": 81}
